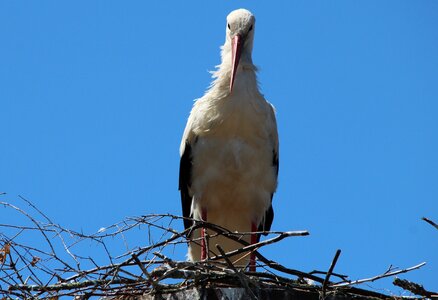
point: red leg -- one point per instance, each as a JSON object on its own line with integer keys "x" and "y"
{"x": 252, "y": 266}
{"x": 203, "y": 243}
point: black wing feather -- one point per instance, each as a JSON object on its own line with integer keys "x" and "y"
{"x": 185, "y": 182}
{"x": 269, "y": 214}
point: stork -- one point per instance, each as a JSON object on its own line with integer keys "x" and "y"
{"x": 229, "y": 150}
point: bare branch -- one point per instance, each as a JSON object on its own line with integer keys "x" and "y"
{"x": 61, "y": 264}
{"x": 414, "y": 288}
{"x": 386, "y": 274}
{"x": 430, "y": 222}
{"x": 329, "y": 273}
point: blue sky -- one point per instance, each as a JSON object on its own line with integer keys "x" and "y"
{"x": 94, "y": 97}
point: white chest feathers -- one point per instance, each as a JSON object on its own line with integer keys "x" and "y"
{"x": 233, "y": 157}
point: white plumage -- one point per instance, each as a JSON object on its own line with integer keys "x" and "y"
{"x": 229, "y": 150}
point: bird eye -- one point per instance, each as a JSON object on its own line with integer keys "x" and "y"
{"x": 229, "y": 27}
{"x": 250, "y": 28}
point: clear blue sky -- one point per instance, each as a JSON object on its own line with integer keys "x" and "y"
{"x": 94, "y": 97}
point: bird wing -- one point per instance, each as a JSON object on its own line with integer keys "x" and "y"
{"x": 185, "y": 171}
{"x": 185, "y": 182}
{"x": 266, "y": 223}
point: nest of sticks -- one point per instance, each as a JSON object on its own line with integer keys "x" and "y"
{"x": 42, "y": 260}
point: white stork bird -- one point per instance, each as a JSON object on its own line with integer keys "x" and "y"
{"x": 229, "y": 150}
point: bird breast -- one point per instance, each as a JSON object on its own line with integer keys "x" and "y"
{"x": 232, "y": 159}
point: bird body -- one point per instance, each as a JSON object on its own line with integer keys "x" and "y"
{"x": 229, "y": 149}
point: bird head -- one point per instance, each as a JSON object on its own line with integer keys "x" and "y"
{"x": 240, "y": 37}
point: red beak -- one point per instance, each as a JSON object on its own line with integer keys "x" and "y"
{"x": 236, "y": 51}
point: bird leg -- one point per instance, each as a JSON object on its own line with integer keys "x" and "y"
{"x": 203, "y": 235}
{"x": 252, "y": 266}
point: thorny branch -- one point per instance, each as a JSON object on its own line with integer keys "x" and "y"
{"x": 54, "y": 264}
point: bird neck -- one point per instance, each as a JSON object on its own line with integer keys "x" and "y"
{"x": 246, "y": 75}
{"x": 245, "y": 80}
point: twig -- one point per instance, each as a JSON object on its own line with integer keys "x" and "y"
{"x": 414, "y": 288}
{"x": 329, "y": 273}
{"x": 68, "y": 286}
{"x": 112, "y": 274}
{"x": 430, "y": 222}
{"x": 341, "y": 276}
{"x": 250, "y": 247}
{"x": 145, "y": 272}
{"x": 386, "y": 274}
{"x": 241, "y": 277}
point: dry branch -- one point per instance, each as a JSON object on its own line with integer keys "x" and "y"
{"x": 55, "y": 267}
{"x": 430, "y": 222}
{"x": 414, "y": 288}
{"x": 388, "y": 273}
{"x": 330, "y": 271}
